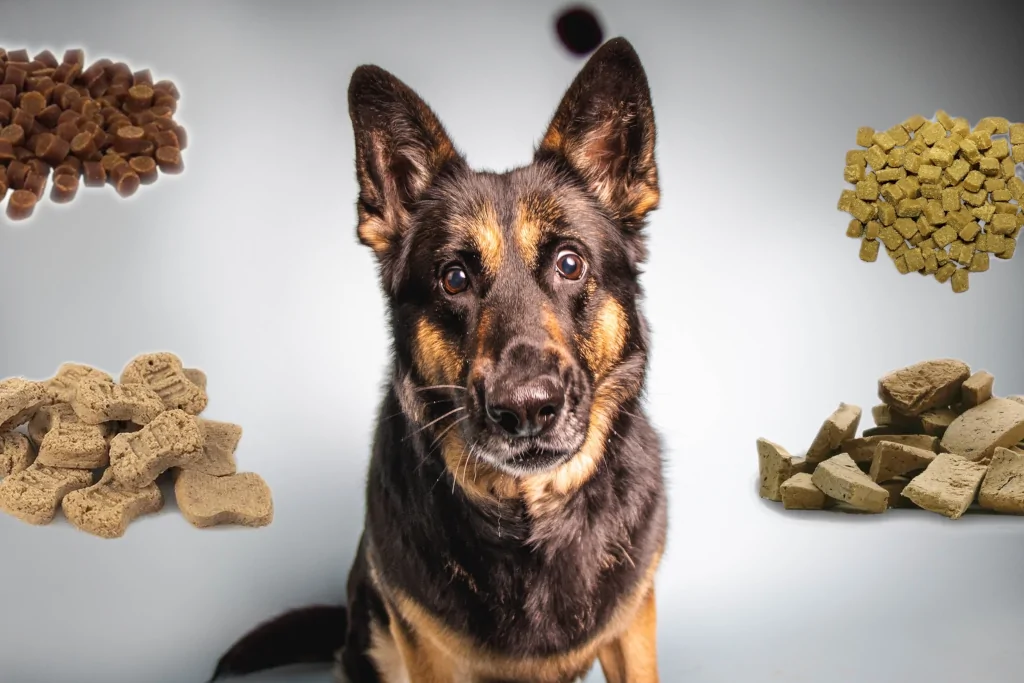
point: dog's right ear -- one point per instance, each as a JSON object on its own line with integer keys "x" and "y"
{"x": 401, "y": 148}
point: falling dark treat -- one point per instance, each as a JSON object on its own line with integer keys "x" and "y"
{"x": 126, "y": 181}
{"x": 20, "y": 205}
{"x": 579, "y": 30}
{"x": 145, "y": 168}
{"x": 64, "y": 188}
{"x": 169, "y": 160}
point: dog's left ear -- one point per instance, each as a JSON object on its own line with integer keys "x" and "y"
{"x": 604, "y": 130}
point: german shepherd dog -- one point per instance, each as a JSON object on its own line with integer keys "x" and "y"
{"x": 515, "y": 503}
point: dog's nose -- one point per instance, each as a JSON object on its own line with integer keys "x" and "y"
{"x": 528, "y": 408}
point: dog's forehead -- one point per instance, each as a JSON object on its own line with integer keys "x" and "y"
{"x": 509, "y": 215}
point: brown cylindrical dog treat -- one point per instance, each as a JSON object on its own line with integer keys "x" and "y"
{"x": 16, "y": 173}
{"x": 117, "y": 93}
{"x": 140, "y": 96}
{"x": 36, "y": 184}
{"x": 34, "y": 494}
{"x": 6, "y": 112}
{"x": 39, "y": 167}
{"x": 107, "y": 508}
{"x": 98, "y": 88}
{"x": 125, "y": 181}
{"x": 49, "y": 116}
{"x": 70, "y": 166}
{"x": 13, "y": 133}
{"x": 110, "y": 160}
{"x": 67, "y": 73}
{"x": 70, "y": 100}
{"x": 142, "y": 77}
{"x": 15, "y": 76}
{"x": 23, "y": 120}
{"x": 9, "y": 93}
{"x": 83, "y": 145}
{"x": 23, "y": 153}
{"x": 64, "y": 189}
{"x": 6, "y": 151}
{"x": 141, "y": 118}
{"x": 129, "y": 140}
{"x": 16, "y": 453}
{"x": 19, "y": 55}
{"x": 169, "y": 160}
{"x": 168, "y": 88}
{"x": 48, "y": 58}
{"x": 150, "y": 130}
{"x": 32, "y": 102}
{"x": 166, "y": 138}
{"x": 207, "y": 501}
{"x": 67, "y": 130}
{"x": 119, "y": 71}
{"x": 93, "y": 173}
{"x": 74, "y": 56}
{"x": 145, "y": 168}
{"x": 52, "y": 149}
{"x": 3, "y": 184}
{"x": 162, "y": 111}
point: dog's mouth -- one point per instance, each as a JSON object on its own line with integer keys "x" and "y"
{"x": 521, "y": 442}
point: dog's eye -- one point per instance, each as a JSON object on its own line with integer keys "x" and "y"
{"x": 569, "y": 265}
{"x": 455, "y": 280}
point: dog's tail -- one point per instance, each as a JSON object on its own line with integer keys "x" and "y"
{"x": 308, "y": 635}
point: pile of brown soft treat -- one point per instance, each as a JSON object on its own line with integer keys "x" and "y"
{"x": 98, "y": 124}
{"x": 58, "y": 436}
{"x": 942, "y": 442}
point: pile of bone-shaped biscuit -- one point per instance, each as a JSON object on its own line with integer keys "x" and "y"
{"x": 942, "y": 442}
{"x": 96, "y": 448}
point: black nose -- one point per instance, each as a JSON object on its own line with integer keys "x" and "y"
{"x": 525, "y": 409}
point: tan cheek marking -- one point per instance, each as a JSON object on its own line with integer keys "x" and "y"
{"x": 483, "y": 330}
{"x": 487, "y": 237}
{"x": 436, "y": 358}
{"x": 551, "y": 326}
{"x": 602, "y": 348}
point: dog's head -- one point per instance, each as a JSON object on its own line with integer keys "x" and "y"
{"x": 513, "y": 296}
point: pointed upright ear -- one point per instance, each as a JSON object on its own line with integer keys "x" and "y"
{"x": 604, "y": 131}
{"x": 401, "y": 148}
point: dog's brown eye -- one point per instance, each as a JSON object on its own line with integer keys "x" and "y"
{"x": 569, "y": 265}
{"x": 455, "y": 280}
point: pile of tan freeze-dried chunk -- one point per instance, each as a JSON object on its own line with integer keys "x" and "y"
{"x": 942, "y": 442}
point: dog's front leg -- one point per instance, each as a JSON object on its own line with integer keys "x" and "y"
{"x": 633, "y": 656}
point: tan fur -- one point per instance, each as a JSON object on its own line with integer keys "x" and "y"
{"x": 484, "y": 231}
{"x": 602, "y": 348}
{"x": 438, "y": 654}
{"x": 437, "y": 359}
{"x": 632, "y": 657}
{"x": 386, "y": 656}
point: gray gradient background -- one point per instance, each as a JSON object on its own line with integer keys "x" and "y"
{"x": 763, "y": 320}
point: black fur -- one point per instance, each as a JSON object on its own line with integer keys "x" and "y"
{"x": 521, "y": 583}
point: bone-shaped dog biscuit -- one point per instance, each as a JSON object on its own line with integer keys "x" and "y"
{"x": 65, "y": 441}
{"x": 16, "y": 453}
{"x": 34, "y": 494}
{"x": 97, "y": 401}
{"x": 220, "y": 440}
{"x": 19, "y": 400}
{"x": 171, "y": 440}
{"x": 106, "y": 508}
{"x": 164, "y": 374}
{"x": 62, "y": 386}
{"x": 207, "y": 501}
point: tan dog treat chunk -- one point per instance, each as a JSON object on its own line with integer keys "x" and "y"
{"x": 896, "y": 459}
{"x": 73, "y": 444}
{"x": 977, "y": 389}
{"x": 196, "y": 376}
{"x": 923, "y": 386}
{"x": 978, "y": 431}
{"x": 164, "y": 374}
{"x": 800, "y": 493}
{"x": 62, "y": 386}
{"x": 98, "y": 401}
{"x": 862, "y": 450}
{"x": 840, "y": 478}
{"x": 19, "y": 400}
{"x": 220, "y": 440}
{"x": 838, "y": 427}
{"x": 34, "y": 494}
{"x": 947, "y": 487}
{"x": 1002, "y": 489}
{"x": 171, "y": 440}
{"x": 935, "y": 422}
{"x": 774, "y": 466}
{"x": 108, "y": 507}
{"x": 16, "y": 453}
{"x": 207, "y": 501}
